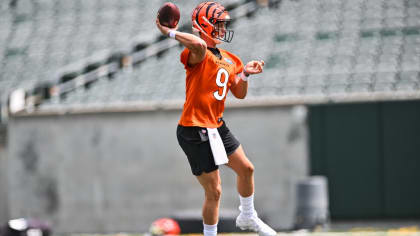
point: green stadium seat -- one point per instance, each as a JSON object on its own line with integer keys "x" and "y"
{"x": 394, "y": 22}
{"x": 318, "y": 65}
{"x": 315, "y": 47}
{"x": 360, "y": 88}
{"x": 293, "y": 81}
{"x": 338, "y": 78}
{"x": 371, "y": 23}
{"x": 364, "y": 63}
{"x": 410, "y": 61}
{"x": 407, "y": 86}
{"x": 346, "y": 46}
{"x": 315, "y": 80}
{"x": 370, "y": 46}
{"x": 385, "y": 78}
{"x": 362, "y": 78}
{"x": 333, "y": 89}
{"x": 313, "y": 90}
{"x": 391, "y": 46}
{"x": 388, "y": 63}
{"x": 409, "y": 76}
{"x": 383, "y": 87}
{"x": 342, "y": 64}
{"x": 413, "y": 10}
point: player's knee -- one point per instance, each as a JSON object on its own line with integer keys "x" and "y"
{"x": 214, "y": 193}
{"x": 249, "y": 170}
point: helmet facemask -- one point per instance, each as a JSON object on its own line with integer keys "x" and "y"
{"x": 221, "y": 30}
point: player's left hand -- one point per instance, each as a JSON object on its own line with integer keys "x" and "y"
{"x": 254, "y": 67}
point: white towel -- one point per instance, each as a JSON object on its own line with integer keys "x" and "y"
{"x": 217, "y": 147}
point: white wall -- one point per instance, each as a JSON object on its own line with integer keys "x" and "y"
{"x": 120, "y": 171}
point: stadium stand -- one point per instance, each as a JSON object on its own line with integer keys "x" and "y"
{"x": 316, "y": 51}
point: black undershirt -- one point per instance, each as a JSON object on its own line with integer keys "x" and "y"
{"x": 216, "y": 52}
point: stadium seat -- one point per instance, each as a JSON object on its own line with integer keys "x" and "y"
{"x": 315, "y": 81}
{"x": 385, "y": 78}
{"x": 412, "y": 21}
{"x": 407, "y": 86}
{"x": 364, "y": 63}
{"x": 338, "y": 79}
{"x": 371, "y": 23}
{"x": 334, "y": 89}
{"x": 365, "y": 78}
{"x": 346, "y": 46}
{"x": 409, "y": 76}
{"x": 359, "y": 88}
{"x": 383, "y": 87}
{"x": 312, "y": 39}
{"x": 318, "y": 65}
{"x": 293, "y": 81}
{"x": 391, "y": 46}
{"x": 410, "y": 61}
{"x": 313, "y": 90}
{"x": 342, "y": 64}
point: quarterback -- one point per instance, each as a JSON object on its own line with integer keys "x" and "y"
{"x": 202, "y": 133}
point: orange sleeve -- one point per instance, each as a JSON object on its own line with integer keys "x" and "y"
{"x": 184, "y": 57}
{"x": 239, "y": 66}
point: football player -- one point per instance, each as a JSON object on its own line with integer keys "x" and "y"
{"x": 210, "y": 73}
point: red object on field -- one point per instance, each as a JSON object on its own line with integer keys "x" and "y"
{"x": 169, "y": 15}
{"x": 165, "y": 226}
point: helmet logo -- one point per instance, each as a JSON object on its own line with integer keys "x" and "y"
{"x": 211, "y": 19}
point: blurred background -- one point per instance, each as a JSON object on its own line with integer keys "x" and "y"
{"x": 91, "y": 94}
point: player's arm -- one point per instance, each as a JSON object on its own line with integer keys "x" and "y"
{"x": 240, "y": 86}
{"x": 195, "y": 44}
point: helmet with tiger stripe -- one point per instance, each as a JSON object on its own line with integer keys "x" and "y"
{"x": 212, "y": 19}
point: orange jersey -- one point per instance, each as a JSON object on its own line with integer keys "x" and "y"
{"x": 207, "y": 85}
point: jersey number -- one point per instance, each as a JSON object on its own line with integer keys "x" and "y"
{"x": 221, "y": 84}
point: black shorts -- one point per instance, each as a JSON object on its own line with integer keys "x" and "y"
{"x": 195, "y": 143}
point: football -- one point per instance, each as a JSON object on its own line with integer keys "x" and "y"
{"x": 169, "y": 15}
{"x": 164, "y": 226}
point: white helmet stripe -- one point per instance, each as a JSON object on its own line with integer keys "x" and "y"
{"x": 205, "y": 19}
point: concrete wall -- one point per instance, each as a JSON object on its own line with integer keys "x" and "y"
{"x": 120, "y": 171}
{"x": 4, "y": 212}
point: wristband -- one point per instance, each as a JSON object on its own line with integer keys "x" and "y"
{"x": 172, "y": 34}
{"x": 245, "y": 73}
{"x": 243, "y": 76}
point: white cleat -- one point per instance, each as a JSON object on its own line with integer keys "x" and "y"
{"x": 255, "y": 224}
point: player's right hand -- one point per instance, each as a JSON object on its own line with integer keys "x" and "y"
{"x": 163, "y": 29}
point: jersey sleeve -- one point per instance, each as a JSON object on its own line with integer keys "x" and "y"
{"x": 239, "y": 66}
{"x": 184, "y": 57}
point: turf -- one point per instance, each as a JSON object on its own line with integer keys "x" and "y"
{"x": 413, "y": 231}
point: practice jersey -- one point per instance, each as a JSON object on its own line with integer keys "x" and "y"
{"x": 207, "y": 85}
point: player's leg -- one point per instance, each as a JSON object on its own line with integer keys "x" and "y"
{"x": 244, "y": 170}
{"x": 203, "y": 167}
{"x": 211, "y": 184}
{"x": 248, "y": 218}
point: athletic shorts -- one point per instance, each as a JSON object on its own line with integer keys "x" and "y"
{"x": 194, "y": 141}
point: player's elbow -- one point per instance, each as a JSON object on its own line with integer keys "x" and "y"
{"x": 199, "y": 45}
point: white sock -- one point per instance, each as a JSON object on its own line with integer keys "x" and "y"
{"x": 210, "y": 230}
{"x": 247, "y": 205}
